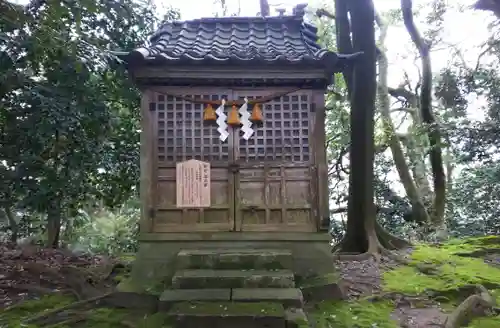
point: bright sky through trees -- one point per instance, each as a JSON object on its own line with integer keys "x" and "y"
{"x": 466, "y": 30}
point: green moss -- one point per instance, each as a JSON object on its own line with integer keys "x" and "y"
{"x": 302, "y": 323}
{"x": 106, "y": 318}
{"x": 299, "y": 321}
{"x": 362, "y": 314}
{"x": 114, "y": 318}
{"x": 127, "y": 258}
{"x": 323, "y": 280}
{"x": 14, "y": 315}
{"x": 488, "y": 322}
{"x": 471, "y": 244}
{"x": 228, "y": 308}
{"x": 453, "y": 272}
{"x": 129, "y": 284}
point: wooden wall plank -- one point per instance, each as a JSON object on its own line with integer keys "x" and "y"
{"x": 147, "y": 162}
{"x": 323, "y": 199}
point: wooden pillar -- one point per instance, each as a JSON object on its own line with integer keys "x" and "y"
{"x": 147, "y": 162}
{"x": 320, "y": 158}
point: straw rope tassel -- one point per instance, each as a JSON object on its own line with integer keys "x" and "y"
{"x": 221, "y": 121}
{"x": 245, "y": 121}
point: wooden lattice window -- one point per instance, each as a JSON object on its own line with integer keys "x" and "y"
{"x": 284, "y": 134}
{"x": 182, "y": 134}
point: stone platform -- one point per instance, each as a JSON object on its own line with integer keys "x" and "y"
{"x": 239, "y": 283}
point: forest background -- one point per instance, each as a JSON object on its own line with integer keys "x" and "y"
{"x": 69, "y": 120}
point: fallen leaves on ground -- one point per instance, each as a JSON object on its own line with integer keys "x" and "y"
{"x": 29, "y": 271}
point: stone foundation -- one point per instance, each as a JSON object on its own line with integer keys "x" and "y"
{"x": 156, "y": 259}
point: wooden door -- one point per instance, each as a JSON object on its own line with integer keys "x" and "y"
{"x": 181, "y": 134}
{"x": 275, "y": 180}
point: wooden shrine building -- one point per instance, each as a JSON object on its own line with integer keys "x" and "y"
{"x": 245, "y": 96}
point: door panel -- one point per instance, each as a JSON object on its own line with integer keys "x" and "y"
{"x": 218, "y": 217}
{"x": 275, "y": 176}
{"x": 274, "y": 198}
{"x": 182, "y": 135}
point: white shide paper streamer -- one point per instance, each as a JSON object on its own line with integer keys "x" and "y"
{"x": 221, "y": 121}
{"x": 245, "y": 121}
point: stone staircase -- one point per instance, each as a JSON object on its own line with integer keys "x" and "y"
{"x": 217, "y": 288}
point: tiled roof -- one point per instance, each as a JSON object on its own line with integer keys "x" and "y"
{"x": 280, "y": 39}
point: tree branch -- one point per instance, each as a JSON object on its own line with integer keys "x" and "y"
{"x": 393, "y": 140}
{"x": 323, "y": 12}
{"x": 434, "y": 135}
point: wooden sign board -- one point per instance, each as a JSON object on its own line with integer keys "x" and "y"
{"x": 193, "y": 184}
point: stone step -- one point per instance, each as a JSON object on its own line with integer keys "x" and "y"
{"x": 172, "y": 296}
{"x": 199, "y": 279}
{"x": 289, "y": 297}
{"x": 224, "y": 259}
{"x": 227, "y": 315}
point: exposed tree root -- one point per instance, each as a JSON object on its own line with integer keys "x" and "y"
{"x": 459, "y": 293}
{"x": 27, "y": 288}
{"x": 480, "y": 252}
{"x": 390, "y": 241}
{"x": 479, "y": 304}
{"x": 47, "y": 314}
{"x": 74, "y": 319}
{"x": 380, "y": 243}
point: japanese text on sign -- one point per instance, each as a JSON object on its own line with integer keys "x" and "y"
{"x": 193, "y": 184}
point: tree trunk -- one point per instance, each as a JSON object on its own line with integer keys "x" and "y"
{"x": 416, "y": 151}
{"x": 53, "y": 224}
{"x": 418, "y": 207}
{"x": 14, "y": 227}
{"x": 363, "y": 234}
{"x": 433, "y": 132}
{"x": 343, "y": 37}
{"x": 360, "y": 232}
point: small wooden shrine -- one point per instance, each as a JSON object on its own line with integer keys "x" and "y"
{"x": 233, "y": 130}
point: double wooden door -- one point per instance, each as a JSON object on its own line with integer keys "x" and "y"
{"x": 265, "y": 183}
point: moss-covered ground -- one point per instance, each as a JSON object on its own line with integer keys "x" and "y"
{"x": 451, "y": 272}
{"x": 97, "y": 317}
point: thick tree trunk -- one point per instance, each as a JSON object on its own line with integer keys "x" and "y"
{"x": 363, "y": 234}
{"x": 14, "y": 227}
{"x": 343, "y": 37}
{"x": 418, "y": 207}
{"x": 53, "y": 224}
{"x": 360, "y": 232}
{"x": 433, "y": 132}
